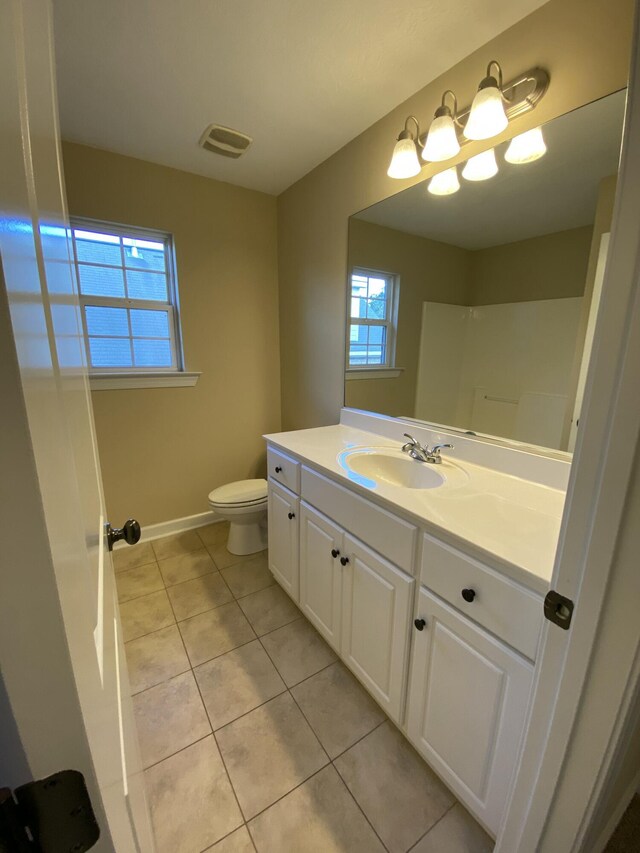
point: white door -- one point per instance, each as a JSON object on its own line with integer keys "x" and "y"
{"x": 321, "y": 573}
{"x": 47, "y": 341}
{"x": 283, "y": 538}
{"x": 468, "y": 698}
{"x": 376, "y": 601}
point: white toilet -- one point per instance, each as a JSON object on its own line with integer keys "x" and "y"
{"x": 244, "y": 505}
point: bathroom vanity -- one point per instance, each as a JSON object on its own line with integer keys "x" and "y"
{"x": 427, "y": 580}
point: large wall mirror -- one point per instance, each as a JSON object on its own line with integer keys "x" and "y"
{"x": 475, "y": 310}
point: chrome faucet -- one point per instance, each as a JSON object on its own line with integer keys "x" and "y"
{"x": 423, "y": 454}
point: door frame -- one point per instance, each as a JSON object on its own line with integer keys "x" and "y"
{"x": 593, "y": 522}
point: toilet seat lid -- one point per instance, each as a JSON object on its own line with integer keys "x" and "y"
{"x": 240, "y": 492}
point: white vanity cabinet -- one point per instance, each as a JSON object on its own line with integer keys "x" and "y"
{"x": 321, "y": 571}
{"x": 283, "y": 537}
{"x": 360, "y": 602}
{"x": 468, "y": 697}
{"x": 376, "y": 618}
{"x": 444, "y": 642}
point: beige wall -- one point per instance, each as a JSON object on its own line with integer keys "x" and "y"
{"x": 553, "y": 266}
{"x": 428, "y": 271}
{"x": 163, "y": 450}
{"x": 584, "y": 44}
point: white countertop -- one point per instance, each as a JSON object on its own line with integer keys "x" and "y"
{"x": 512, "y": 520}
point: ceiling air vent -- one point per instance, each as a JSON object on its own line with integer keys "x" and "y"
{"x": 225, "y": 141}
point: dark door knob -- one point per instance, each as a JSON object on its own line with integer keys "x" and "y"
{"x": 130, "y": 532}
{"x": 344, "y": 560}
{"x": 468, "y": 594}
{"x": 278, "y": 469}
{"x": 420, "y": 623}
{"x": 335, "y": 553}
{"x": 291, "y": 515}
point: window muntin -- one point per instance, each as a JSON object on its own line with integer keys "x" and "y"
{"x": 372, "y": 301}
{"x": 128, "y": 297}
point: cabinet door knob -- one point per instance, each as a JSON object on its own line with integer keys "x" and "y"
{"x": 278, "y": 469}
{"x": 420, "y": 623}
{"x": 468, "y": 594}
{"x": 291, "y": 515}
{"x": 344, "y": 560}
{"x": 335, "y": 553}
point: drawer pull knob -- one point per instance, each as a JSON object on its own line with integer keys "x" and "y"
{"x": 291, "y": 515}
{"x": 468, "y": 594}
{"x": 344, "y": 560}
{"x": 278, "y": 469}
{"x": 420, "y": 623}
{"x": 335, "y": 553}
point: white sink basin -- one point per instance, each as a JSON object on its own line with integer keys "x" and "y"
{"x": 386, "y": 465}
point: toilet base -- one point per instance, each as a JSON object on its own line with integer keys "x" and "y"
{"x": 246, "y": 538}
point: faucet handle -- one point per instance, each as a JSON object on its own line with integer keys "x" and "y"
{"x": 410, "y": 437}
{"x": 435, "y": 450}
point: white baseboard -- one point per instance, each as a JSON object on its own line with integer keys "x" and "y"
{"x": 175, "y": 525}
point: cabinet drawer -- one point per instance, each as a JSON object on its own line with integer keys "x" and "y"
{"x": 284, "y": 469}
{"x": 385, "y": 533}
{"x": 508, "y": 610}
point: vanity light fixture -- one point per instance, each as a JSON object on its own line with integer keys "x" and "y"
{"x": 481, "y": 167}
{"x": 404, "y": 161}
{"x": 526, "y": 147}
{"x": 442, "y": 139}
{"x": 444, "y": 183}
{"x": 487, "y": 117}
{"x": 494, "y": 105}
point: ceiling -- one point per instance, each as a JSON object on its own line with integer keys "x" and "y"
{"x": 303, "y": 78}
{"x": 555, "y": 193}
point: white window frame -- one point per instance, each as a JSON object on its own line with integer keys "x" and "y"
{"x": 375, "y": 371}
{"x": 105, "y": 378}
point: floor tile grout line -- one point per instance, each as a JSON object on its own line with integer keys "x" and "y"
{"x": 211, "y": 846}
{"x": 359, "y": 807}
{"x": 177, "y": 752}
{"x": 215, "y": 740}
{"x": 155, "y": 631}
{"x": 331, "y": 760}
{"x": 215, "y": 657}
{"x": 356, "y": 742}
{"x": 251, "y": 710}
{"x": 158, "y": 683}
{"x": 433, "y": 826}
{"x": 351, "y": 794}
{"x": 286, "y": 794}
{"x": 131, "y": 568}
{"x": 313, "y": 674}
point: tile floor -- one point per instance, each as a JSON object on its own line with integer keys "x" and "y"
{"x": 253, "y": 735}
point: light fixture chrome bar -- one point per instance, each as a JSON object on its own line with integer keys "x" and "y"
{"x": 521, "y": 95}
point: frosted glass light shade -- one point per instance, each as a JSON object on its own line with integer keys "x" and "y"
{"x": 481, "y": 167}
{"x": 526, "y": 147}
{"x": 487, "y": 117}
{"x": 445, "y": 183}
{"x": 442, "y": 141}
{"x": 404, "y": 162}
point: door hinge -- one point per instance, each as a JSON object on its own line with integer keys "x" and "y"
{"x": 52, "y": 815}
{"x": 558, "y": 609}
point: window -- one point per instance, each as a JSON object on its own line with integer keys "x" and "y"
{"x": 128, "y": 298}
{"x": 373, "y": 305}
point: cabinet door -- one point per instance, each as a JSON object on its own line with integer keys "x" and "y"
{"x": 283, "y": 538}
{"x": 468, "y": 698}
{"x": 320, "y": 572}
{"x": 376, "y": 604}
